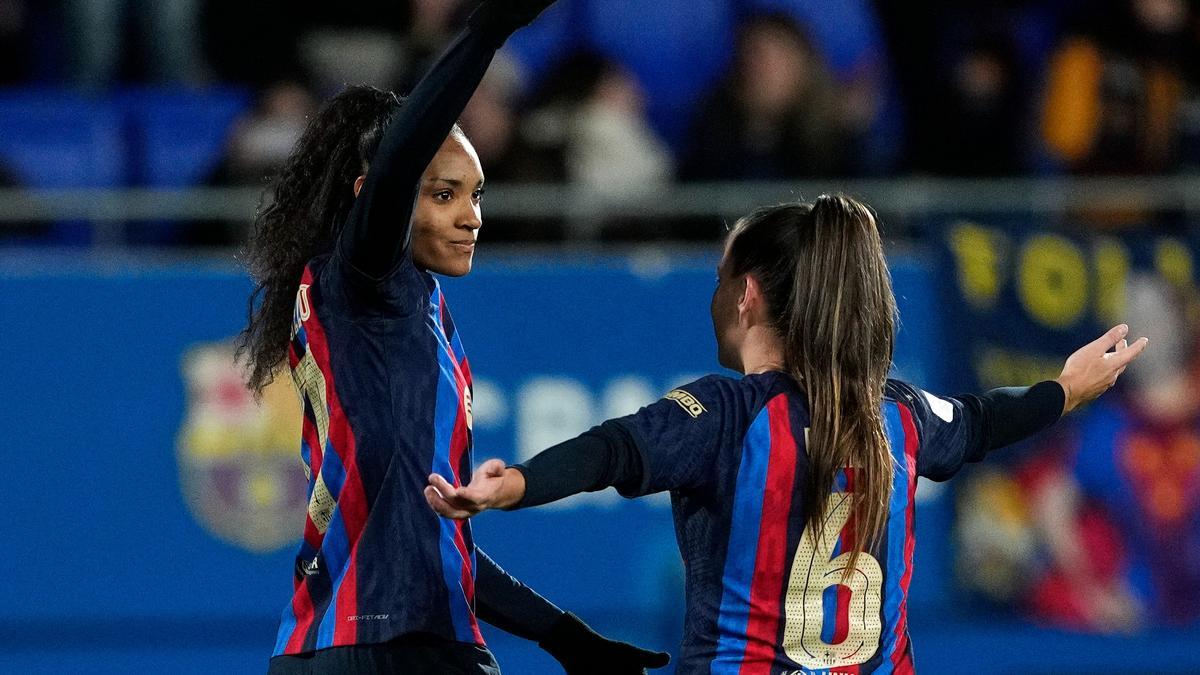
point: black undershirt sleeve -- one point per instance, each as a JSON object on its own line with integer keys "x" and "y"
{"x": 1010, "y": 414}
{"x": 508, "y": 604}
{"x": 377, "y": 232}
{"x": 605, "y": 456}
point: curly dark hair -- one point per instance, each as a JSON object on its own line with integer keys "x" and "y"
{"x": 312, "y": 196}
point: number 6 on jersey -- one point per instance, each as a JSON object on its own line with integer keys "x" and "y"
{"x": 816, "y": 583}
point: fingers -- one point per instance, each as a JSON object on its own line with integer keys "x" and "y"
{"x": 442, "y": 485}
{"x": 441, "y": 506}
{"x": 1109, "y": 339}
{"x": 1123, "y": 357}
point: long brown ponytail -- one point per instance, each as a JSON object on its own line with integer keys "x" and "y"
{"x": 829, "y": 293}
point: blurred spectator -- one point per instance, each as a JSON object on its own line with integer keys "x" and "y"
{"x": 1116, "y": 89}
{"x": 981, "y": 116}
{"x": 775, "y": 115}
{"x": 168, "y": 31}
{"x": 262, "y": 140}
{"x": 492, "y": 122}
{"x": 258, "y": 145}
{"x": 675, "y": 48}
{"x": 612, "y": 153}
{"x": 588, "y": 124}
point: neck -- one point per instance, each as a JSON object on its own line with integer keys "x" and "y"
{"x": 761, "y": 351}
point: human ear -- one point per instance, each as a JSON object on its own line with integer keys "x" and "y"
{"x": 358, "y": 183}
{"x": 753, "y": 302}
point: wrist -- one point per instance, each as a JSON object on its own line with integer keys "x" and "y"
{"x": 1068, "y": 400}
{"x": 512, "y": 489}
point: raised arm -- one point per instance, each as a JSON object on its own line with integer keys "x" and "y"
{"x": 377, "y": 232}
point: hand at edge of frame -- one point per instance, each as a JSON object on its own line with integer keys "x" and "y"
{"x": 1093, "y": 369}
{"x": 492, "y": 486}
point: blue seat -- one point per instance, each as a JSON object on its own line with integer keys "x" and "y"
{"x": 178, "y": 136}
{"x": 59, "y": 139}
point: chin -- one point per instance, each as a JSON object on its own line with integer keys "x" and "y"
{"x": 452, "y": 268}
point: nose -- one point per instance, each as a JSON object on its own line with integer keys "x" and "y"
{"x": 471, "y": 219}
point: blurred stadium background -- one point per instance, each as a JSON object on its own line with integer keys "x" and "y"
{"x": 1035, "y": 163}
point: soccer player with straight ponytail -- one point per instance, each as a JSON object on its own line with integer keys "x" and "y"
{"x": 793, "y": 487}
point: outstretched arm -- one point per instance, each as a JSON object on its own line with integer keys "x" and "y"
{"x": 378, "y": 229}
{"x": 669, "y": 444}
{"x": 960, "y": 429}
{"x": 605, "y": 456}
{"x": 513, "y": 607}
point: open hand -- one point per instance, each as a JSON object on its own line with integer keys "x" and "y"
{"x": 1093, "y": 369}
{"x": 492, "y": 486}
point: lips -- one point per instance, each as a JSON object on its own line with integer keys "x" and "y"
{"x": 467, "y": 246}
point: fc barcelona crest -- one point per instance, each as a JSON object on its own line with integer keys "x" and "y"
{"x": 238, "y": 460}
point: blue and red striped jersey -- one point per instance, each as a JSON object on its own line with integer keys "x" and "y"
{"x": 764, "y": 596}
{"x": 386, "y": 391}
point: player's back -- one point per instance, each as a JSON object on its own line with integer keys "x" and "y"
{"x": 763, "y": 595}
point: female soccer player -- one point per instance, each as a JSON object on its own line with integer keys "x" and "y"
{"x": 793, "y": 487}
{"x": 378, "y": 195}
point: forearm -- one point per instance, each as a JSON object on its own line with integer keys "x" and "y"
{"x": 508, "y": 604}
{"x": 602, "y": 457}
{"x": 1012, "y": 414}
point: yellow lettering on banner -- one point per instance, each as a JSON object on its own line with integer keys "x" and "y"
{"x": 1173, "y": 261}
{"x": 1112, "y": 272}
{"x": 1053, "y": 280}
{"x": 814, "y": 569}
{"x": 998, "y": 367}
{"x": 978, "y": 253}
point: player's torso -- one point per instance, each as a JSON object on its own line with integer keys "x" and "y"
{"x": 765, "y": 597}
{"x": 386, "y": 391}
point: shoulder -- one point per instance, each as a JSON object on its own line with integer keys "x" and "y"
{"x": 399, "y": 295}
{"x": 711, "y": 392}
{"x": 918, "y": 401}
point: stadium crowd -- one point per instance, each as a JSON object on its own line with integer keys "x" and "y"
{"x": 719, "y": 90}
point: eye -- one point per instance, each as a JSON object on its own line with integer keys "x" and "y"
{"x": 477, "y": 195}
{"x": 443, "y": 195}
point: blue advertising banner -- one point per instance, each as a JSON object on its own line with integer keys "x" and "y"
{"x": 1020, "y": 299}
{"x": 153, "y": 507}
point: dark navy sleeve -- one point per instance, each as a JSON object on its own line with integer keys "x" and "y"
{"x": 375, "y": 238}
{"x": 954, "y": 430}
{"x": 508, "y": 604}
{"x": 667, "y": 445}
{"x": 679, "y": 437}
